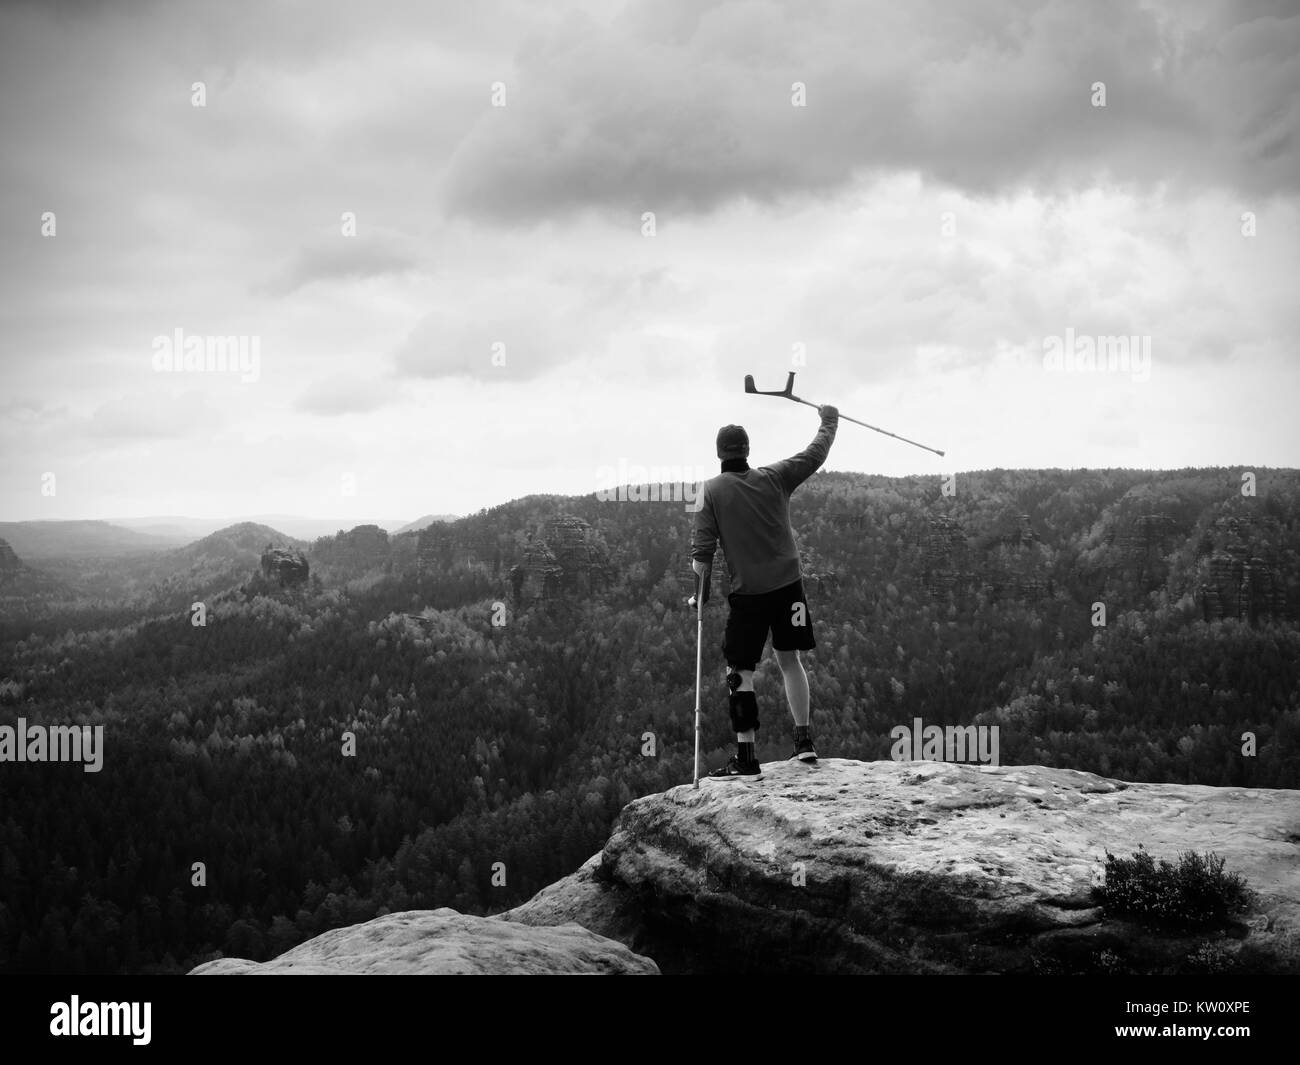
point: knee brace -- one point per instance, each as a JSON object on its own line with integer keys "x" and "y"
{"x": 743, "y": 707}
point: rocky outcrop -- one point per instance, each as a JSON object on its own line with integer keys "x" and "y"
{"x": 1014, "y": 561}
{"x": 539, "y": 575}
{"x": 1145, "y": 541}
{"x": 819, "y": 576}
{"x": 1137, "y": 554}
{"x": 286, "y": 566}
{"x": 444, "y": 942}
{"x": 1021, "y": 534}
{"x": 911, "y": 867}
{"x": 1240, "y": 574}
{"x": 1007, "y": 560}
{"x": 945, "y": 557}
{"x": 866, "y": 867}
{"x": 566, "y": 557}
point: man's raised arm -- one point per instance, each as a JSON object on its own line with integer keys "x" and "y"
{"x": 797, "y": 469}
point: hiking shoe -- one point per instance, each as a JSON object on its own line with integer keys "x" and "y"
{"x": 737, "y": 768}
{"x": 803, "y": 744}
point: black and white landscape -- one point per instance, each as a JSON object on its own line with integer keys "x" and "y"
{"x": 359, "y": 368}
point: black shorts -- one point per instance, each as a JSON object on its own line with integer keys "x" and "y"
{"x": 783, "y": 611}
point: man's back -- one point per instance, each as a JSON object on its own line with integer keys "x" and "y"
{"x": 747, "y": 510}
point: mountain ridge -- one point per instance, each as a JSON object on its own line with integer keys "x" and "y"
{"x": 520, "y": 727}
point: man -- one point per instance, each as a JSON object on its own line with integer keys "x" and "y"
{"x": 747, "y": 511}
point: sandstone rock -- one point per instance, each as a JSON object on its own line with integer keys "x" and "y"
{"x": 907, "y": 867}
{"x": 539, "y": 575}
{"x": 1240, "y": 572}
{"x": 286, "y": 566}
{"x": 448, "y": 943}
{"x": 945, "y": 557}
{"x": 567, "y": 558}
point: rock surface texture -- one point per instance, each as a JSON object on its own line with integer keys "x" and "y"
{"x": 908, "y": 867}
{"x": 444, "y": 942}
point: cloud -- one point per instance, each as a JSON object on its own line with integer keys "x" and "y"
{"x": 676, "y": 108}
{"x": 344, "y": 394}
{"x": 342, "y": 258}
{"x": 521, "y": 327}
{"x": 777, "y": 226}
{"x": 516, "y": 334}
{"x": 149, "y": 416}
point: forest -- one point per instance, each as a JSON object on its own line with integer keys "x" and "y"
{"x": 456, "y": 717}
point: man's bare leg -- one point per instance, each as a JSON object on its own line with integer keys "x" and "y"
{"x": 796, "y": 684}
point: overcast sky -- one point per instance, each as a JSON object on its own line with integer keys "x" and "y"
{"x": 934, "y": 209}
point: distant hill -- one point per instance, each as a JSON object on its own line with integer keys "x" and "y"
{"x": 83, "y": 539}
{"x": 222, "y": 560}
{"x": 175, "y": 535}
{"x": 313, "y": 528}
{"x": 115, "y": 537}
{"x": 182, "y": 530}
{"x": 423, "y": 523}
{"x": 245, "y": 539}
{"x": 172, "y": 577}
{"x": 363, "y": 552}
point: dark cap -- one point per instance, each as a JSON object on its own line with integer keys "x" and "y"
{"x": 733, "y": 442}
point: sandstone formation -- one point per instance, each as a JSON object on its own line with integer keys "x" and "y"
{"x": 1014, "y": 562}
{"x": 444, "y": 942}
{"x": 945, "y": 557}
{"x": 566, "y": 557}
{"x": 819, "y": 578}
{"x": 1240, "y": 575}
{"x": 910, "y": 867}
{"x": 1021, "y": 534}
{"x": 559, "y": 557}
{"x": 284, "y": 565}
{"x": 1148, "y": 538}
{"x": 867, "y": 867}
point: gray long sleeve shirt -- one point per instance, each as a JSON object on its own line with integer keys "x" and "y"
{"x": 748, "y": 513}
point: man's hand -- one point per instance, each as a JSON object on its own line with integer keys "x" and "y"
{"x": 827, "y": 411}
{"x": 704, "y": 573}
